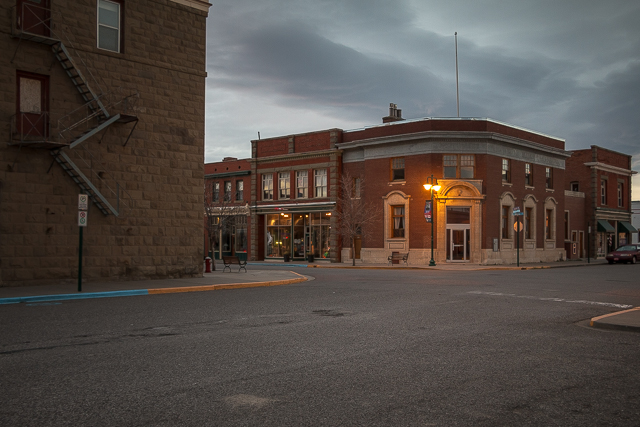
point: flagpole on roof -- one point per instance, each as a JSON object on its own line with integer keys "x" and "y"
{"x": 457, "y": 87}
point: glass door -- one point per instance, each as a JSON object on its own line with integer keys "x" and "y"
{"x": 458, "y": 244}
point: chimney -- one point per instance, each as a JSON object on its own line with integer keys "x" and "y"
{"x": 395, "y": 114}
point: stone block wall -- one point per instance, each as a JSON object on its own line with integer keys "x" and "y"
{"x": 159, "y": 232}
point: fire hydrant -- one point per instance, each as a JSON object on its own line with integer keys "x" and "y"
{"x": 207, "y": 264}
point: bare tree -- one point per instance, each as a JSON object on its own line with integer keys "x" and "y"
{"x": 219, "y": 214}
{"x": 355, "y": 216}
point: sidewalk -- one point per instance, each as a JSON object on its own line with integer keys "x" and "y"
{"x": 273, "y": 273}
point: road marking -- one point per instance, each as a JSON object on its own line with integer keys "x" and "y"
{"x": 500, "y": 294}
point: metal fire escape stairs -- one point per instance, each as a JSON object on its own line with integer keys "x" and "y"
{"x": 95, "y": 119}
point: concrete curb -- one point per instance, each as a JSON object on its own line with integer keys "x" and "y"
{"x": 604, "y": 321}
{"x": 153, "y": 291}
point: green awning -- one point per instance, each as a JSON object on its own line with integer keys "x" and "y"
{"x": 605, "y": 227}
{"x": 625, "y": 227}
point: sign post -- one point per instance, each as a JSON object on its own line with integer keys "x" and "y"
{"x": 83, "y": 207}
{"x": 517, "y": 226}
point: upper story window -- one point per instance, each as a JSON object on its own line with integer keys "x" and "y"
{"x": 356, "y": 188}
{"x": 267, "y": 187}
{"x": 458, "y": 166}
{"x": 549, "y": 177}
{"x": 528, "y": 174}
{"x": 302, "y": 184}
{"x": 227, "y": 191}
{"x": 320, "y": 183}
{"x": 575, "y": 186}
{"x": 603, "y": 192}
{"x": 620, "y": 195}
{"x": 216, "y": 191}
{"x": 284, "y": 185}
{"x": 506, "y": 170}
{"x": 397, "y": 169}
{"x": 239, "y": 190}
{"x": 110, "y": 25}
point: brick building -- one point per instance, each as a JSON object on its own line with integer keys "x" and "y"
{"x": 491, "y": 176}
{"x": 604, "y": 178}
{"x": 105, "y": 98}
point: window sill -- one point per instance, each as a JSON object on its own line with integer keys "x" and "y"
{"x": 397, "y": 239}
{"x": 397, "y": 182}
{"x": 549, "y": 190}
{"x": 529, "y": 187}
{"x": 507, "y": 184}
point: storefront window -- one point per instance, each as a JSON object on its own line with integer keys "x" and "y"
{"x": 298, "y": 234}
{"x": 278, "y": 235}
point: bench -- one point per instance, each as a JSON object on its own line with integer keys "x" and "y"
{"x": 228, "y": 260}
{"x": 398, "y": 257}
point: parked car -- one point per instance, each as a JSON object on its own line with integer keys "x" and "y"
{"x": 626, "y": 253}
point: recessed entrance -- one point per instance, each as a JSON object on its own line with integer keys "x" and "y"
{"x": 458, "y": 234}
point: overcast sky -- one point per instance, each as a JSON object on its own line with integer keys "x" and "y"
{"x": 567, "y": 68}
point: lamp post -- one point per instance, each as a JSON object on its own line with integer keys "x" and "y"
{"x": 432, "y": 186}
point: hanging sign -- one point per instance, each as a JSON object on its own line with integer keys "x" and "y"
{"x": 427, "y": 211}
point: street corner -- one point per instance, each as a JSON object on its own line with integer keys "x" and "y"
{"x": 627, "y": 320}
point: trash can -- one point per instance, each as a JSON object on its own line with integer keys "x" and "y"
{"x": 287, "y": 257}
{"x": 310, "y": 258}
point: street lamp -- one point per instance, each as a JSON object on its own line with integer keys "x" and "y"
{"x": 433, "y": 187}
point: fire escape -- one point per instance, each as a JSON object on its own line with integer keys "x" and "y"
{"x": 99, "y": 111}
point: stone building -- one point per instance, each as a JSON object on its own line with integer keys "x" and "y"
{"x": 492, "y": 178}
{"x": 103, "y": 98}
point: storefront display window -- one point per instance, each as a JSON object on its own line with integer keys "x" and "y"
{"x": 298, "y": 235}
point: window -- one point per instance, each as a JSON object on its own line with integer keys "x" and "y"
{"x": 216, "y": 191}
{"x": 566, "y": 225}
{"x": 450, "y": 164}
{"x": 505, "y": 222}
{"x": 620, "y": 195}
{"x": 32, "y": 118}
{"x": 267, "y": 187}
{"x": 397, "y": 169}
{"x": 320, "y": 183}
{"x": 110, "y": 25}
{"x": 284, "y": 185}
{"x": 528, "y": 175}
{"x": 356, "y": 188}
{"x": 549, "y": 177}
{"x": 506, "y": 170}
{"x": 603, "y": 192}
{"x": 397, "y": 221}
{"x": 227, "y": 191}
{"x": 239, "y": 191}
{"x": 302, "y": 185}
{"x": 575, "y": 186}
{"x": 548, "y": 222}
{"x": 527, "y": 223}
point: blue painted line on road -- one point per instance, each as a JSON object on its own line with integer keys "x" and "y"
{"x": 63, "y": 297}
{"x": 277, "y": 265}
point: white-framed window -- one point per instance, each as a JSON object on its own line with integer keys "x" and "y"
{"x": 320, "y": 182}
{"x": 603, "y": 192}
{"x": 528, "y": 175}
{"x": 284, "y": 185}
{"x": 506, "y": 170}
{"x": 397, "y": 221}
{"x": 302, "y": 184}
{"x": 620, "y": 195}
{"x": 549, "y": 177}
{"x": 227, "y": 191}
{"x": 267, "y": 187}
{"x": 216, "y": 191}
{"x": 239, "y": 190}
{"x": 109, "y": 25}
{"x": 397, "y": 169}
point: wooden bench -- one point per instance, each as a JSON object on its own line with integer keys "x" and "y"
{"x": 228, "y": 260}
{"x": 398, "y": 257}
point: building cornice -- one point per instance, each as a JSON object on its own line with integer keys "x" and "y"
{"x": 201, "y": 5}
{"x": 454, "y": 136}
{"x": 296, "y": 156}
{"x": 226, "y": 174}
{"x": 608, "y": 168}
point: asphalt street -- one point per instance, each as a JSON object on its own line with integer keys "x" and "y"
{"x": 350, "y": 347}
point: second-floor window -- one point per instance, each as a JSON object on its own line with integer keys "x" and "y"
{"x": 506, "y": 170}
{"x": 397, "y": 169}
{"x": 267, "y": 187}
{"x": 216, "y": 191}
{"x": 528, "y": 175}
{"x": 620, "y": 195}
{"x": 320, "y": 183}
{"x": 575, "y": 186}
{"x": 356, "y": 188}
{"x": 458, "y": 166}
{"x": 239, "y": 190}
{"x": 603, "y": 192}
{"x": 284, "y": 185}
{"x": 549, "y": 177}
{"x": 227, "y": 191}
{"x": 109, "y": 25}
{"x": 302, "y": 184}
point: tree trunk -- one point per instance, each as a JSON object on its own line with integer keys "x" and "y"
{"x": 353, "y": 250}
{"x": 213, "y": 254}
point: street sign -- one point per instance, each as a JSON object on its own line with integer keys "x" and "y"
{"x": 516, "y": 211}
{"x": 82, "y": 219}
{"x": 83, "y": 202}
{"x": 517, "y": 226}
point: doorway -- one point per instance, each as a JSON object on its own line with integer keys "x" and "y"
{"x": 34, "y": 17}
{"x": 32, "y": 105}
{"x": 458, "y": 234}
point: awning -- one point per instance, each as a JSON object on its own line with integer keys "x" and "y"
{"x": 625, "y": 227}
{"x": 604, "y": 226}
